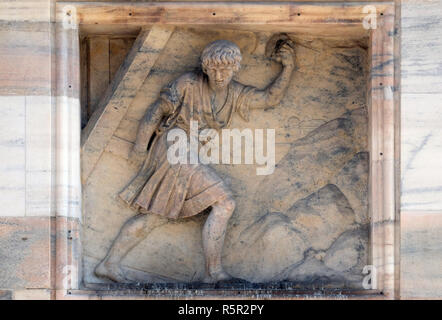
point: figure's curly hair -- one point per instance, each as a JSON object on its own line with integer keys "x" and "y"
{"x": 221, "y": 52}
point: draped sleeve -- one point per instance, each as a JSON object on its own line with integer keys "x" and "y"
{"x": 244, "y": 100}
{"x": 172, "y": 95}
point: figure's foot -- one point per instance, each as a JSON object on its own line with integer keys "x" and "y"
{"x": 217, "y": 276}
{"x": 111, "y": 271}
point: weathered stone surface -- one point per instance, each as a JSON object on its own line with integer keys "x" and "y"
{"x": 5, "y": 294}
{"x": 421, "y": 255}
{"x": 348, "y": 251}
{"x": 326, "y": 213}
{"x": 305, "y": 222}
{"x": 269, "y": 247}
{"x": 352, "y": 181}
{"x": 338, "y": 266}
{"x": 119, "y": 95}
{"x": 25, "y": 252}
{"x": 317, "y": 239}
{"x": 328, "y": 147}
{"x": 32, "y": 294}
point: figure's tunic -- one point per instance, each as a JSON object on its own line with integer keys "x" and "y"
{"x": 183, "y": 190}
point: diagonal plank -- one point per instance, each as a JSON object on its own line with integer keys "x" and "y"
{"x": 120, "y": 94}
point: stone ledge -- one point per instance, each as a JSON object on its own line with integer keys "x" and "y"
{"x": 227, "y": 289}
{"x": 169, "y": 293}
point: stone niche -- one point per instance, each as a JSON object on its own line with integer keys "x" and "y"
{"x": 306, "y": 223}
{"x": 324, "y": 214}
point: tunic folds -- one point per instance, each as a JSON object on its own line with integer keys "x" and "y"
{"x": 183, "y": 190}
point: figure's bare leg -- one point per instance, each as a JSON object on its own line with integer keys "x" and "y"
{"x": 214, "y": 231}
{"x": 132, "y": 233}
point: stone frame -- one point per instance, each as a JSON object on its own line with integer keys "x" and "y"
{"x": 330, "y": 19}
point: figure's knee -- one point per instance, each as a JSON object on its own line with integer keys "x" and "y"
{"x": 227, "y": 206}
{"x": 136, "y": 225}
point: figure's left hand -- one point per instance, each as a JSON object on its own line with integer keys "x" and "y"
{"x": 285, "y": 55}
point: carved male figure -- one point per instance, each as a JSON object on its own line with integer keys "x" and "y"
{"x": 163, "y": 191}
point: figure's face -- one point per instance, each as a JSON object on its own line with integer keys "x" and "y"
{"x": 219, "y": 76}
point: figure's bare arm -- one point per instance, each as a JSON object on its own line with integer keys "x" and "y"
{"x": 273, "y": 94}
{"x": 148, "y": 124}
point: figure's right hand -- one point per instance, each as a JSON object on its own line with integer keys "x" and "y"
{"x": 285, "y": 55}
{"x": 137, "y": 157}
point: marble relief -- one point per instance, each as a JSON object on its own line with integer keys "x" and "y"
{"x": 306, "y": 223}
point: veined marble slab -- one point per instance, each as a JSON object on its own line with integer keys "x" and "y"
{"x": 421, "y": 59}
{"x": 421, "y": 158}
{"x": 12, "y": 156}
{"x": 421, "y": 255}
{"x": 25, "y": 155}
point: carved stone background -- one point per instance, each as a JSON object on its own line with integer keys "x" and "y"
{"x": 307, "y": 222}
